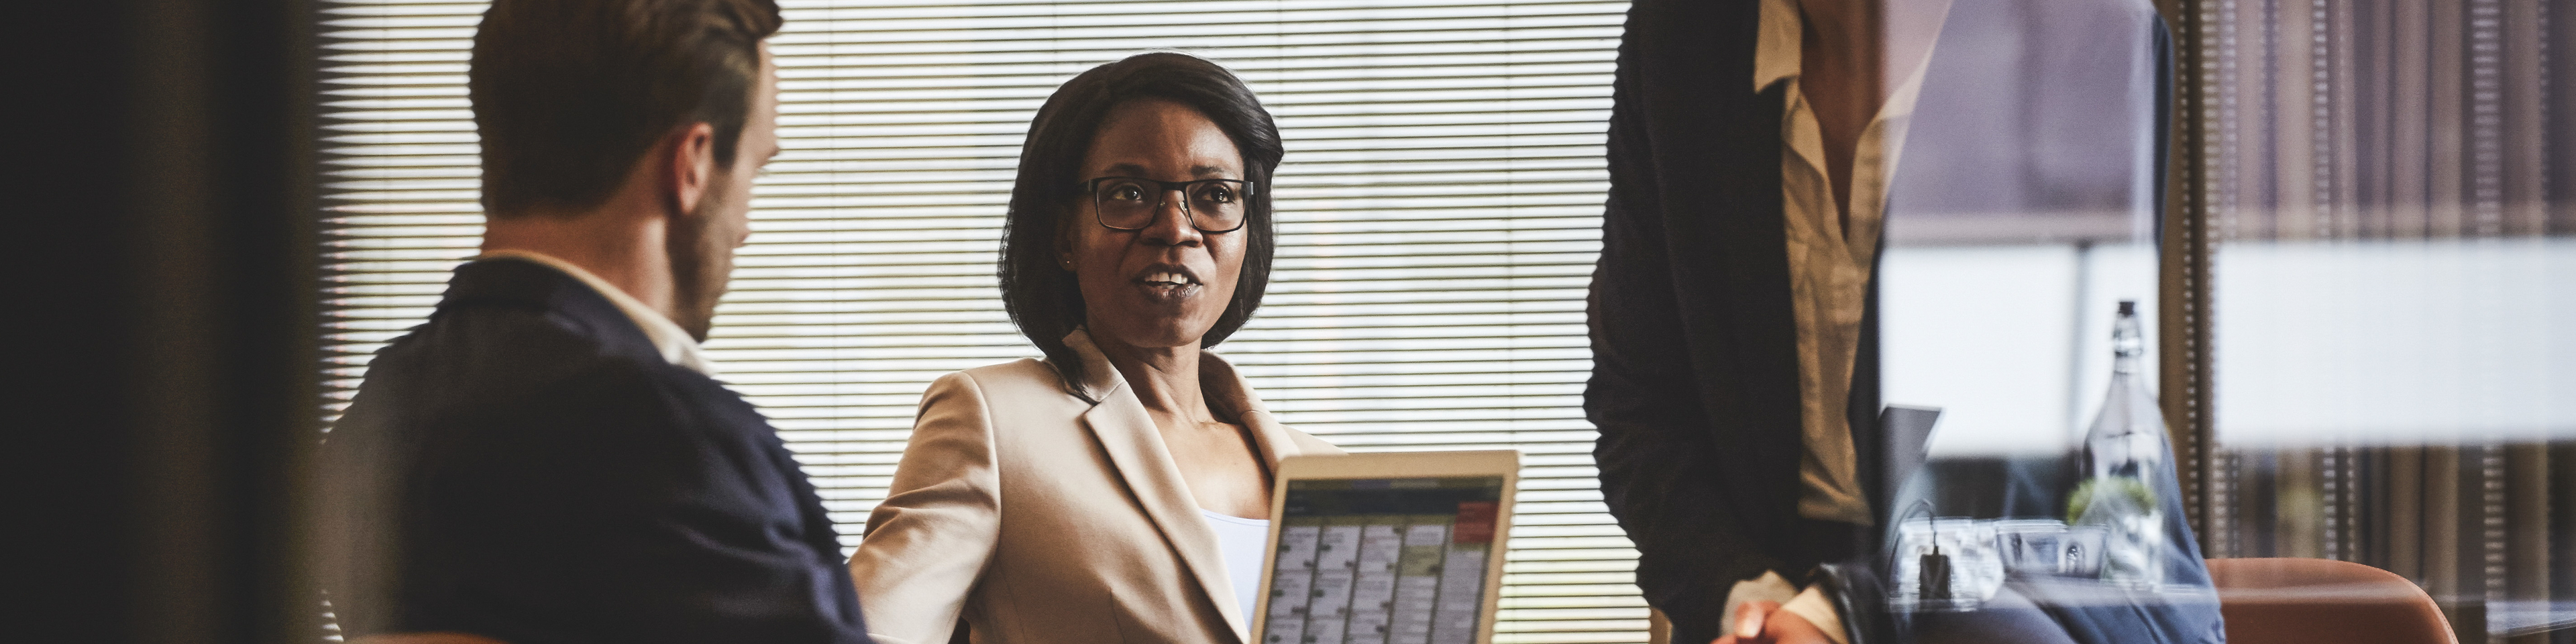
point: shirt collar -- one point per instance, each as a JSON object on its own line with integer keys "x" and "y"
{"x": 1777, "y": 49}
{"x": 667, "y": 337}
{"x": 1779, "y": 54}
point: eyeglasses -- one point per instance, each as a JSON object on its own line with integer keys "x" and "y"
{"x": 1129, "y": 203}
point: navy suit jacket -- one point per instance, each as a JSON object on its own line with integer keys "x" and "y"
{"x": 526, "y": 467}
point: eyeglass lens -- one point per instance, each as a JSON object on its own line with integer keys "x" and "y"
{"x": 1214, "y": 205}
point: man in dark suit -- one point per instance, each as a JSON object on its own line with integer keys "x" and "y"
{"x": 548, "y": 459}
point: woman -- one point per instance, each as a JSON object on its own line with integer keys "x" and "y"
{"x": 1118, "y": 490}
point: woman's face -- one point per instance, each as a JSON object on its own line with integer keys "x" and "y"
{"x": 1165, "y": 285}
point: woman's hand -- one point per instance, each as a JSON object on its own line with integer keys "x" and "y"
{"x": 1762, "y": 622}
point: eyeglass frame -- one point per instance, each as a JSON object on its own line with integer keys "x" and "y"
{"x": 1092, "y": 187}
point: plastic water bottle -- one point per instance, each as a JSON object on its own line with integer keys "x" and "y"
{"x": 2125, "y": 454}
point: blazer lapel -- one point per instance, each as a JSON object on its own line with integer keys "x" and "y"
{"x": 1136, "y": 449}
{"x": 1232, "y": 396}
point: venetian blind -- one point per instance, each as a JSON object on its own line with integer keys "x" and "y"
{"x": 1438, "y": 214}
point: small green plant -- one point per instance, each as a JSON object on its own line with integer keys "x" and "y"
{"x": 2136, "y": 491}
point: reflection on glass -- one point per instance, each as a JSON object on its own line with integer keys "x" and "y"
{"x": 2023, "y": 209}
{"x": 2125, "y": 457}
{"x": 2389, "y": 183}
{"x": 2021, "y": 241}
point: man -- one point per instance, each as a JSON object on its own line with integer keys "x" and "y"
{"x": 548, "y": 458}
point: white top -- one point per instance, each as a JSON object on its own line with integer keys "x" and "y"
{"x": 1242, "y": 542}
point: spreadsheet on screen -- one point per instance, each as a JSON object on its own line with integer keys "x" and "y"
{"x": 1382, "y": 561}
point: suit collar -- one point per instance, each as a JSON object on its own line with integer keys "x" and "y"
{"x": 1228, "y": 394}
{"x": 673, "y": 342}
{"x": 1136, "y": 449}
{"x": 1098, "y": 380}
{"x": 515, "y": 283}
{"x": 1233, "y": 399}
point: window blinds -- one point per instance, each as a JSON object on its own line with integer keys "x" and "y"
{"x": 1438, "y": 214}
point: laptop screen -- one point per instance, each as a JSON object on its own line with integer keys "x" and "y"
{"x": 1382, "y": 561}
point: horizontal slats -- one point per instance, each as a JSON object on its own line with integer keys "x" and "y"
{"x": 1438, "y": 216}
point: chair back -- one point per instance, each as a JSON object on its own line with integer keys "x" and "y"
{"x": 2295, "y": 601}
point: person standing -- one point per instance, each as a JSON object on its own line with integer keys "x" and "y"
{"x": 549, "y": 458}
{"x": 1750, "y": 147}
{"x": 1733, "y": 312}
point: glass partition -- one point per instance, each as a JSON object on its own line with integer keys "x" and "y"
{"x": 2393, "y": 288}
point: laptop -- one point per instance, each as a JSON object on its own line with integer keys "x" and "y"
{"x": 1387, "y": 548}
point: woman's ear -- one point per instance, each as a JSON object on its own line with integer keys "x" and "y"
{"x": 1064, "y": 235}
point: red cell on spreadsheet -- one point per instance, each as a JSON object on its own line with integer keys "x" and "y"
{"x": 1475, "y": 522}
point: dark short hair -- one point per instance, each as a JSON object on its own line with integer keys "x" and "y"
{"x": 569, "y": 93}
{"x": 1042, "y": 297}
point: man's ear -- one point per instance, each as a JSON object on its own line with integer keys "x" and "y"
{"x": 692, "y": 166}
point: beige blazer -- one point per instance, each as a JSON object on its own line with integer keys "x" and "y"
{"x": 1041, "y": 518}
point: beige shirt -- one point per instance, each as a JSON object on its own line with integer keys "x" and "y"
{"x": 667, "y": 337}
{"x": 1830, "y": 258}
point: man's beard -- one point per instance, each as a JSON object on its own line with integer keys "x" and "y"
{"x": 701, "y": 265}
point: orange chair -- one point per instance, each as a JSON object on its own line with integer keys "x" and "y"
{"x": 2296, "y": 601}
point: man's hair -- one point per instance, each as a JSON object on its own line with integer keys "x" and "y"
{"x": 568, "y": 94}
{"x": 1041, "y": 297}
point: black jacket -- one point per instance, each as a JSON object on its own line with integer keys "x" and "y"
{"x": 1695, "y": 372}
{"x": 525, "y": 466}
